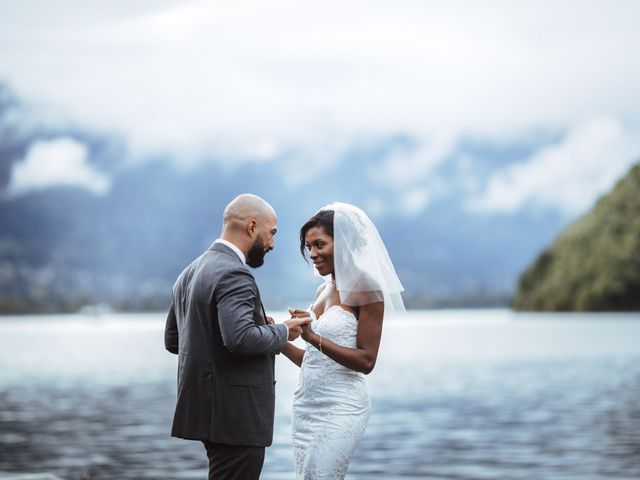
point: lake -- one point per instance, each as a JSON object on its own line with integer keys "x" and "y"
{"x": 456, "y": 395}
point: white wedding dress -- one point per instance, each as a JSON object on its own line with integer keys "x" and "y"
{"x": 331, "y": 404}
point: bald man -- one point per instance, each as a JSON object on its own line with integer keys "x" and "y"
{"x": 226, "y": 345}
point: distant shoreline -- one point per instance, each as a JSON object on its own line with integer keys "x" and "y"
{"x": 413, "y": 301}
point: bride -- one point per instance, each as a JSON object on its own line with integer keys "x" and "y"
{"x": 331, "y": 404}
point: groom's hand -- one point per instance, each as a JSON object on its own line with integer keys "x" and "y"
{"x": 295, "y": 326}
{"x": 295, "y": 313}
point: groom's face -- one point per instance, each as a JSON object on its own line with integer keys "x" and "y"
{"x": 263, "y": 243}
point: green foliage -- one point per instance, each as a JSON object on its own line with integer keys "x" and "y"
{"x": 594, "y": 265}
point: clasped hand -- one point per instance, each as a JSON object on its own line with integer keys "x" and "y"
{"x": 296, "y": 325}
{"x": 306, "y": 328}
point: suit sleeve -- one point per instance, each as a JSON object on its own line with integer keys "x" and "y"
{"x": 171, "y": 332}
{"x": 236, "y": 299}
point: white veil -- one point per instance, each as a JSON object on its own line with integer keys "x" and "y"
{"x": 363, "y": 270}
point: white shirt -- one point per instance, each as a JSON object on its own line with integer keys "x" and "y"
{"x": 234, "y": 248}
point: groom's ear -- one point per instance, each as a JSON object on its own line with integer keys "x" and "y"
{"x": 252, "y": 227}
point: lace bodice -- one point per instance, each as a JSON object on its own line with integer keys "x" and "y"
{"x": 339, "y": 326}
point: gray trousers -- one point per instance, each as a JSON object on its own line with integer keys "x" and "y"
{"x": 234, "y": 462}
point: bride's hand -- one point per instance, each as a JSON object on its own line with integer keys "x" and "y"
{"x": 306, "y": 332}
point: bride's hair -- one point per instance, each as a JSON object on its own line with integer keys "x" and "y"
{"x": 363, "y": 271}
{"x": 324, "y": 219}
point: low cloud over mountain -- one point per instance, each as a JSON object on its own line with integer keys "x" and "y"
{"x": 469, "y": 136}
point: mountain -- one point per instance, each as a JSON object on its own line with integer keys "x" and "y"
{"x": 594, "y": 264}
{"x": 64, "y": 247}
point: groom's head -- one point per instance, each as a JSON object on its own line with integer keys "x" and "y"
{"x": 250, "y": 224}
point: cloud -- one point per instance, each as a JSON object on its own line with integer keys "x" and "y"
{"x": 568, "y": 176}
{"x": 404, "y": 179}
{"x": 58, "y": 162}
{"x": 300, "y": 84}
{"x": 410, "y": 166}
{"x": 229, "y": 78}
{"x": 413, "y": 201}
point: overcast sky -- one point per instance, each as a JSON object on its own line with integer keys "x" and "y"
{"x": 239, "y": 80}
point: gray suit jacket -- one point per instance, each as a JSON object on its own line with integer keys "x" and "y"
{"x": 226, "y": 352}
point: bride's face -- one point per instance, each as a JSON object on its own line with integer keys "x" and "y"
{"x": 320, "y": 247}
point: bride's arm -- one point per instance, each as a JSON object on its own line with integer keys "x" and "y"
{"x": 293, "y": 353}
{"x": 363, "y": 357}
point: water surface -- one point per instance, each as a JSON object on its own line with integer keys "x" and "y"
{"x": 456, "y": 395}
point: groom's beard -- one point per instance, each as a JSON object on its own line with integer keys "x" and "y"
{"x": 255, "y": 255}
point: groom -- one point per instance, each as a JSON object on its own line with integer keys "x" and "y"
{"x": 226, "y": 345}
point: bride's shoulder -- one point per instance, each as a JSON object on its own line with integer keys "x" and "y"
{"x": 321, "y": 289}
{"x": 322, "y": 294}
